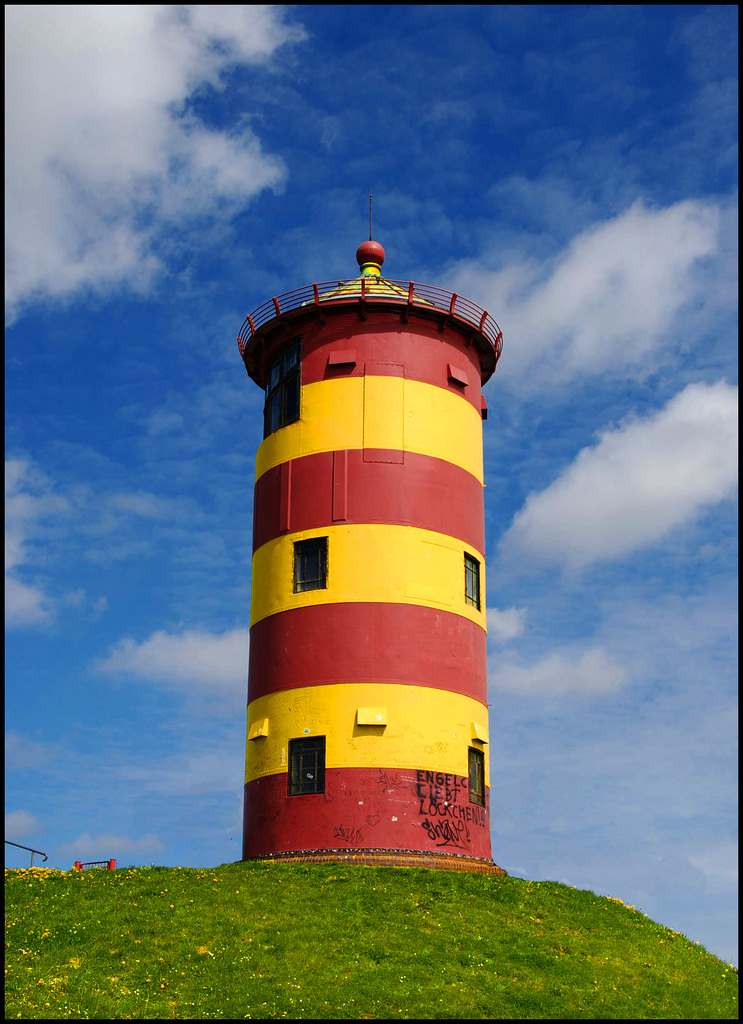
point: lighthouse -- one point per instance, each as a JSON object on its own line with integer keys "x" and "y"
{"x": 367, "y": 730}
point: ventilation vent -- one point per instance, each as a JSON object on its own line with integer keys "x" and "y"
{"x": 258, "y": 728}
{"x": 371, "y": 716}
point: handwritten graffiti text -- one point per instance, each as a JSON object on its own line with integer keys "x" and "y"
{"x": 445, "y": 799}
{"x": 352, "y": 836}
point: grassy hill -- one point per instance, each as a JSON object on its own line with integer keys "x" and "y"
{"x": 317, "y": 941}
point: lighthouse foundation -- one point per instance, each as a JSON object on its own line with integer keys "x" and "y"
{"x": 390, "y": 809}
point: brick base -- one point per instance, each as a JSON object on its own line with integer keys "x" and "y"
{"x": 387, "y": 858}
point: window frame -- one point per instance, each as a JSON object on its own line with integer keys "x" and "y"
{"x": 297, "y": 766}
{"x": 284, "y": 374}
{"x": 301, "y": 548}
{"x": 472, "y": 572}
{"x": 476, "y": 760}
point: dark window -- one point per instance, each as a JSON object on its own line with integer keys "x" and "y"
{"x": 310, "y": 564}
{"x": 472, "y": 581}
{"x": 282, "y": 390}
{"x": 307, "y": 766}
{"x": 477, "y": 776}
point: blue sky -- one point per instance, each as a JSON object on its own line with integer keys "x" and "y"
{"x": 573, "y": 170}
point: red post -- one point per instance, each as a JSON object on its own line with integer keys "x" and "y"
{"x": 112, "y": 865}
{"x": 78, "y": 865}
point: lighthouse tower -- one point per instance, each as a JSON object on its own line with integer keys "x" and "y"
{"x": 367, "y": 708}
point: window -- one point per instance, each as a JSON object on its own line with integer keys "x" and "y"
{"x": 310, "y": 564}
{"x": 472, "y": 581}
{"x": 477, "y": 776}
{"x": 282, "y": 390}
{"x": 307, "y": 766}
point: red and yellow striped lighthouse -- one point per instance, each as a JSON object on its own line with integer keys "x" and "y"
{"x": 367, "y": 708}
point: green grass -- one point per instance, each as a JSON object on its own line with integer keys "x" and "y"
{"x": 331, "y": 941}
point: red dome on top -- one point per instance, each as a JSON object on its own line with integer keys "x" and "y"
{"x": 370, "y": 252}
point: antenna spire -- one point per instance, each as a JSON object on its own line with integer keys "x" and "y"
{"x": 370, "y": 255}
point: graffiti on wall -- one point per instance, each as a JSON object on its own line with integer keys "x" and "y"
{"x": 444, "y": 805}
{"x": 388, "y": 781}
{"x": 348, "y": 834}
{"x": 352, "y": 835}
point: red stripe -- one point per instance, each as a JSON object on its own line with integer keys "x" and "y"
{"x": 392, "y": 455}
{"x": 285, "y": 499}
{"x": 365, "y": 808}
{"x": 423, "y": 354}
{"x": 334, "y": 486}
{"x": 340, "y": 486}
{"x": 359, "y": 643}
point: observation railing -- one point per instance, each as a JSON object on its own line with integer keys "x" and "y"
{"x": 378, "y": 291}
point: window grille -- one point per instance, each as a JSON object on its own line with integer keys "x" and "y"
{"x": 282, "y": 390}
{"x": 310, "y": 564}
{"x": 307, "y": 766}
{"x": 472, "y": 581}
{"x": 477, "y": 776}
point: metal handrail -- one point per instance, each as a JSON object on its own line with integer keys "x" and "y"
{"x": 384, "y": 291}
{"x": 31, "y": 849}
{"x": 80, "y": 865}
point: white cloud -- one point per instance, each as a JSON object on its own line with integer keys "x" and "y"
{"x": 83, "y": 602}
{"x": 21, "y": 823}
{"x": 192, "y": 661}
{"x": 25, "y": 605}
{"x": 505, "y": 624}
{"x": 28, "y": 499}
{"x": 216, "y": 770}
{"x": 25, "y": 754}
{"x": 144, "y": 505}
{"x": 608, "y": 301}
{"x": 637, "y": 483}
{"x": 590, "y": 672}
{"x": 161, "y": 423}
{"x": 107, "y": 846}
{"x": 33, "y": 511}
{"x": 99, "y": 143}
{"x": 31, "y": 507}
{"x": 719, "y": 862}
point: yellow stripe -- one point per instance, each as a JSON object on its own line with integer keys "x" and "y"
{"x": 379, "y": 412}
{"x": 384, "y": 413}
{"x": 369, "y": 562}
{"x": 426, "y": 728}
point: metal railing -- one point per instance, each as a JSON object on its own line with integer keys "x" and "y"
{"x": 31, "y": 849}
{"x": 378, "y": 291}
{"x": 80, "y": 865}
